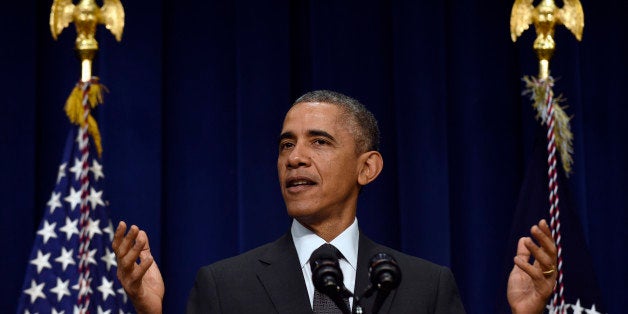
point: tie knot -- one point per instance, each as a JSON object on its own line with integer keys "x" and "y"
{"x": 326, "y": 251}
{"x": 329, "y": 294}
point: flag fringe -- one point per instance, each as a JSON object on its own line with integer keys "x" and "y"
{"x": 75, "y": 112}
{"x": 538, "y": 89}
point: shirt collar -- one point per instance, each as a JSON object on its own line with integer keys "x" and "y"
{"x": 307, "y": 241}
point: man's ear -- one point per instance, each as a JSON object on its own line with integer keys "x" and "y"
{"x": 371, "y": 164}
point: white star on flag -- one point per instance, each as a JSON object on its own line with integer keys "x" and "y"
{"x": 77, "y": 168}
{"x": 109, "y": 258}
{"x": 95, "y": 197}
{"x": 61, "y": 173}
{"x": 74, "y": 198}
{"x": 54, "y": 202}
{"x": 70, "y": 228}
{"x": 93, "y": 227}
{"x": 61, "y": 289}
{"x": 106, "y": 288}
{"x": 109, "y": 230}
{"x": 592, "y": 310}
{"x": 35, "y": 291}
{"x": 97, "y": 170}
{"x": 577, "y": 309}
{"x": 123, "y": 294}
{"x": 47, "y": 231}
{"x": 65, "y": 258}
{"x": 41, "y": 261}
{"x": 90, "y": 257}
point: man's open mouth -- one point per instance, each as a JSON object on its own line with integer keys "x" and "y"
{"x": 299, "y": 182}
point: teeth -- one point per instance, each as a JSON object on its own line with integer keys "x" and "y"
{"x": 300, "y": 182}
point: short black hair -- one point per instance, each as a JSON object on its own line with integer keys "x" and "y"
{"x": 363, "y": 123}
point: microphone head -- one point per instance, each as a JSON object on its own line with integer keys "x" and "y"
{"x": 384, "y": 272}
{"x": 326, "y": 274}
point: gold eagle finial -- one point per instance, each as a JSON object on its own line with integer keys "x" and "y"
{"x": 86, "y": 15}
{"x": 545, "y": 16}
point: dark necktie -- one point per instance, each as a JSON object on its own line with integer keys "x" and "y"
{"x": 322, "y": 303}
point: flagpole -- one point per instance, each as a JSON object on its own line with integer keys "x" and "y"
{"x": 54, "y": 281}
{"x": 86, "y": 95}
{"x": 545, "y": 16}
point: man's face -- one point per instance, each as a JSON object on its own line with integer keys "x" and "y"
{"x": 317, "y": 164}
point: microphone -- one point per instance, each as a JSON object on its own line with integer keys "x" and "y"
{"x": 326, "y": 273}
{"x": 327, "y": 276}
{"x": 384, "y": 272}
{"x": 385, "y": 276}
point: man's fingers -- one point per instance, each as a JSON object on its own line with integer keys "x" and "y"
{"x": 146, "y": 259}
{"x": 545, "y": 228}
{"x": 543, "y": 236}
{"x": 130, "y": 258}
{"x": 540, "y": 255}
{"x": 128, "y": 241}
{"x": 125, "y": 256}
{"x": 118, "y": 236}
{"x": 546, "y": 253}
{"x": 528, "y": 268}
{"x": 522, "y": 250}
{"x": 145, "y": 264}
{"x": 135, "y": 277}
{"x": 141, "y": 236}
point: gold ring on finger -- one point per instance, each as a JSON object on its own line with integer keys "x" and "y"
{"x": 549, "y": 272}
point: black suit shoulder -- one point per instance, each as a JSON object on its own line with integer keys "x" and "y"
{"x": 218, "y": 284}
{"x": 425, "y": 287}
{"x": 266, "y": 279}
{"x": 419, "y": 269}
{"x": 236, "y": 263}
{"x": 425, "y": 280}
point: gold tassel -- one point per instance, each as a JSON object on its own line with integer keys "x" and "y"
{"x": 564, "y": 137}
{"x": 75, "y": 112}
{"x": 562, "y": 131}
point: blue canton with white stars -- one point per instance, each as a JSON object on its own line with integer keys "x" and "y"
{"x": 52, "y": 274}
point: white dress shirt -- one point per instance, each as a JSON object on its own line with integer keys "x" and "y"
{"x": 307, "y": 241}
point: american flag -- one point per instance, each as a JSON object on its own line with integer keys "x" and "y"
{"x": 54, "y": 282}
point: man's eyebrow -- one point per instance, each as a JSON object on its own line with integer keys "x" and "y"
{"x": 311, "y": 133}
{"x": 286, "y": 135}
{"x": 320, "y": 133}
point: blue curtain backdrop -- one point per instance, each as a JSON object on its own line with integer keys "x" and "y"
{"x": 198, "y": 90}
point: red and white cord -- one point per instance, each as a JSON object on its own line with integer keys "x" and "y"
{"x": 558, "y": 299}
{"x": 85, "y": 279}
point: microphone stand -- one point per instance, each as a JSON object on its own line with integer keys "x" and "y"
{"x": 357, "y": 307}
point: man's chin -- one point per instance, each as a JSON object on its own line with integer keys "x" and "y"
{"x": 299, "y": 213}
{"x": 302, "y": 213}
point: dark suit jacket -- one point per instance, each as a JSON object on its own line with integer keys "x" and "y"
{"x": 269, "y": 279}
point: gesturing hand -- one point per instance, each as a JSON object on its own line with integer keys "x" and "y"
{"x": 142, "y": 281}
{"x": 531, "y": 285}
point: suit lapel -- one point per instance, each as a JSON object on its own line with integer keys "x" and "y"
{"x": 281, "y": 275}
{"x": 366, "y": 250}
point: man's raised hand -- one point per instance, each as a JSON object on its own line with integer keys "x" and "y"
{"x": 531, "y": 285}
{"x": 142, "y": 281}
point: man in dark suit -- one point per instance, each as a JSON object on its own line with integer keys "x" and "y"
{"x": 328, "y": 150}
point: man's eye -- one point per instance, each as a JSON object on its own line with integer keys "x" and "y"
{"x": 285, "y": 145}
{"x": 321, "y": 142}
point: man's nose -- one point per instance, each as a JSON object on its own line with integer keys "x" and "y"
{"x": 299, "y": 157}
